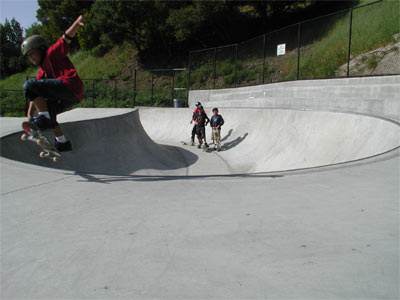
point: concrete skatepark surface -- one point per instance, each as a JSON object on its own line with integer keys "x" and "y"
{"x": 301, "y": 204}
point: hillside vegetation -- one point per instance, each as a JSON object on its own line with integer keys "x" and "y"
{"x": 324, "y": 49}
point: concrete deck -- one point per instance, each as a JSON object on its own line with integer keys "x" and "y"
{"x": 174, "y": 222}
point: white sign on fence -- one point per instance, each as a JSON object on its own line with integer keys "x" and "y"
{"x": 281, "y": 49}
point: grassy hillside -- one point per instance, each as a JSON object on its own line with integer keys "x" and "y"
{"x": 324, "y": 48}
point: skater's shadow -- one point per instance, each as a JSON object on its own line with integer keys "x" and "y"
{"x": 227, "y": 136}
{"x": 234, "y": 143}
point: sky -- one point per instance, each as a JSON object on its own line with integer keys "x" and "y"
{"x": 24, "y": 11}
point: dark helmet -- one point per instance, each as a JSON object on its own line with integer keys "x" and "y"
{"x": 33, "y": 42}
{"x": 198, "y": 103}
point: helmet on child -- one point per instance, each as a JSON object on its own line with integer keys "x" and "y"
{"x": 33, "y": 42}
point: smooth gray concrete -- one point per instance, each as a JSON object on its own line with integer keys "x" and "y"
{"x": 181, "y": 233}
{"x": 376, "y": 96}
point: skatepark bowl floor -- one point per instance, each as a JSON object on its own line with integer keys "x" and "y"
{"x": 299, "y": 204}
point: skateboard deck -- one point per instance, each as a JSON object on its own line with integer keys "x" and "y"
{"x": 212, "y": 149}
{"x": 187, "y": 143}
{"x": 34, "y": 135}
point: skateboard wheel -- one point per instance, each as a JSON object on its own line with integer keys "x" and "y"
{"x": 44, "y": 154}
{"x": 55, "y": 159}
{"x": 24, "y": 137}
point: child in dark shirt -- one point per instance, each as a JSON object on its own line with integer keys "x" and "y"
{"x": 194, "y": 122}
{"x": 201, "y": 121}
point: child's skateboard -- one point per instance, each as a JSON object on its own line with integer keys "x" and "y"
{"x": 187, "y": 143}
{"x": 33, "y": 134}
{"x": 214, "y": 148}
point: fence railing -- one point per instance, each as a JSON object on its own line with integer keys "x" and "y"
{"x": 158, "y": 87}
{"x": 330, "y": 46}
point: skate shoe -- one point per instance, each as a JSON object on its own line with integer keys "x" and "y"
{"x": 62, "y": 147}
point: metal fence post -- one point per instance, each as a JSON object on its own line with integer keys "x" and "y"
{"x": 93, "y": 92}
{"x": 115, "y": 93}
{"x": 215, "y": 66}
{"x": 152, "y": 88}
{"x": 134, "y": 89}
{"x": 236, "y": 63}
{"x": 189, "y": 70}
{"x": 298, "y": 50}
{"x": 349, "y": 46}
{"x": 264, "y": 54}
{"x": 173, "y": 86}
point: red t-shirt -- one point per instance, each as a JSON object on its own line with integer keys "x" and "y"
{"x": 56, "y": 64}
{"x": 194, "y": 116}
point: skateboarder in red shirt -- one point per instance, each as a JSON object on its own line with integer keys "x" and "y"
{"x": 202, "y": 121}
{"x": 57, "y": 86}
{"x": 194, "y": 121}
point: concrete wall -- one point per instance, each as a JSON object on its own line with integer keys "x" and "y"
{"x": 378, "y": 96}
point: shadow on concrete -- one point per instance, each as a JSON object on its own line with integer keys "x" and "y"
{"x": 234, "y": 143}
{"x": 152, "y": 178}
{"x": 227, "y": 135}
{"x": 261, "y": 175}
{"x": 108, "y": 158}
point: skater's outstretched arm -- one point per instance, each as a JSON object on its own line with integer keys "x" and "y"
{"x": 71, "y": 31}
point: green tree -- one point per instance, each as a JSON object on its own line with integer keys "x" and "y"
{"x": 35, "y": 28}
{"x": 57, "y": 16}
{"x": 11, "y": 59}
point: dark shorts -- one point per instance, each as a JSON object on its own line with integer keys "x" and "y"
{"x": 59, "y": 98}
{"x": 194, "y": 131}
{"x": 201, "y": 132}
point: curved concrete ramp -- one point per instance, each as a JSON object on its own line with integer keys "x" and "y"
{"x": 113, "y": 143}
{"x": 272, "y": 140}
{"x": 256, "y": 140}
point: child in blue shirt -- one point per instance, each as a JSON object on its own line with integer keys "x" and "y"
{"x": 216, "y": 122}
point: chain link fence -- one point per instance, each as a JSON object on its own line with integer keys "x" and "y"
{"x": 360, "y": 41}
{"x": 144, "y": 88}
{"x": 250, "y": 62}
{"x": 202, "y": 69}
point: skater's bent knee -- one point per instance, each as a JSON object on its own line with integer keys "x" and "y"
{"x": 29, "y": 84}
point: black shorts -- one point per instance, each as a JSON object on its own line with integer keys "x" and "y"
{"x": 59, "y": 98}
{"x": 201, "y": 132}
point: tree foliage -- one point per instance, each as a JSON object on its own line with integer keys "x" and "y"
{"x": 11, "y": 36}
{"x": 57, "y": 16}
{"x": 161, "y": 28}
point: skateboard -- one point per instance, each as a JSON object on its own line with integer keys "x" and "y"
{"x": 187, "y": 143}
{"x": 214, "y": 148}
{"x": 33, "y": 134}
